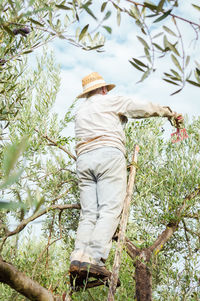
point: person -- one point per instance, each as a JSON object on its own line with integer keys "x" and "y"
{"x": 101, "y": 167}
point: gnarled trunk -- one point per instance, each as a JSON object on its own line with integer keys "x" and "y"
{"x": 143, "y": 282}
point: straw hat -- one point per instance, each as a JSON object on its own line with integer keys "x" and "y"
{"x": 92, "y": 82}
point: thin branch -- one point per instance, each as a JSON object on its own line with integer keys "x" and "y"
{"x": 190, "y": 231}
{"x": 42, "y": 253}
{"x": 49, "y": 243}
{"x": 26, "y": 221}
{"x": 171, "y": 228}
{"x": 131, "y": 249}
{"x": 56, "y": 144}
{"x": 49, "y": 239}
{"x": 175, "y": 16}
{"x": 187, "y": 238}
{"x": 192, "y": 216}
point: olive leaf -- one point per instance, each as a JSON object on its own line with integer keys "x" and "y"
{"x": 83, "y": 32}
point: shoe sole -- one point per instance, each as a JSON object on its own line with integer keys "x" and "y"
{"x": 94, "y": 270}
{"x": 83, "y": 270}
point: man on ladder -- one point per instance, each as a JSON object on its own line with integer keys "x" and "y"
{"x": 101, "y": 169}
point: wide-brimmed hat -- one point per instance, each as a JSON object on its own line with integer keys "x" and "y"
{"x": 92, "y": 82}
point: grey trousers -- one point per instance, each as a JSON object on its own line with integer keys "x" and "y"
{"x": 102, "y": 184}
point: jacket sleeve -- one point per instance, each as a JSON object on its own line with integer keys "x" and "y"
{"x": 137, "y": 109}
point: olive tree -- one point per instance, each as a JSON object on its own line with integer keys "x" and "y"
{"x": 37, "y": 163}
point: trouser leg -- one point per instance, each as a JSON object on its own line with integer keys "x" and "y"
{"x": 88, "y": 215}
{"x": 111, "y": 191}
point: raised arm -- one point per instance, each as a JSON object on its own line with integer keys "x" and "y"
{"x": 132, "y": 108}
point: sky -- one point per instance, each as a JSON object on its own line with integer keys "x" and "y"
{"x": 113, "y": 64}
{"x": 115, "y": 68}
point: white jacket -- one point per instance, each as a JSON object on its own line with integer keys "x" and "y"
{"x": 98, "y": 122}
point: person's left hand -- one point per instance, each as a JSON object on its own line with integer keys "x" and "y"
{"x": 179, "y": 119}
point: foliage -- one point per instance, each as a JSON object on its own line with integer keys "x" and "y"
{"x": 37, "y": 171}
{"x": 161, "y": 36}
{"x": 41, "y": 265}
{"x": 27, "y": 25}
{"x": 167, "y": 174}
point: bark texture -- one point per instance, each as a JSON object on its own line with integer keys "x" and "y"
{"x": 23, "y": 284}
{"x": 143, "y": 281}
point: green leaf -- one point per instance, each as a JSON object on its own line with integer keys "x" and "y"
{"x": 88, "y": 10}
{"x": 170, "y": 81}
{"x": 11, "y": 205}
{"x": 197, "y": 74}
{"x": 196, "y": 6}
{"x": 96, "y": 47}
{"x": 11, "y": 179}
{"x": 151, "y": 16}
{"x": 167, "y": 29}
{"x": 176, "y": 62}
{"x": 165, "y": 15}
{"x": 157, "y": 35}
{"x": 198, "y": 71}
{"x": 103, "y": 6}
{"x": 27, "y": 51}
{"x": 146, "y": 51}
{"x": 170, "y": 46}
{"x": 158, "y": 47}
{"x": 150, "y": 5}
{"x": 61, "y": 6}
{"x": 175, "y": 73}
{"x": 36, "y": 22}
{"x": 83, "y": 32}
{"x": 108, "y": 14}
{"x": 143, "y": 42}
{"x": 187, "y": 61}
{"x": 193, "y": 83}
{"x": 109, "y": 29}
{"x": 160, "y": 5}
{"x": 136, "y": 66}
{"x": 135, "y": 11}
{"x": 12, "y": 154}
{"x": 138, "y": 62}
{"x": 197, "y": 63}
{"x": 144, "y": 76}
{"x": 177, "y": 91}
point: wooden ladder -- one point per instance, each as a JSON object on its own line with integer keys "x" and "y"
{"x": 123, "y": 225}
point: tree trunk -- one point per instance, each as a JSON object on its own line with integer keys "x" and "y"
{"x": 143, "y": 281}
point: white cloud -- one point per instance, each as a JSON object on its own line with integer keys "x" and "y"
{"x": 113, "y": 65}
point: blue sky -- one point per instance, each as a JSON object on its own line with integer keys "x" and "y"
{"x": 113, "y": 65}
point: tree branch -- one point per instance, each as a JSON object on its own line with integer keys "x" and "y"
{"x": 192, "y": 216}
{"x": 24, "y": 285}
{"x": 131, "y": 249}
{"x": 56, "y": 144}
{"x": 163, "y": 238}
{"x": 171, "y": 228}
{"x": 26, "y": 221}
{"x": 172, "y": 15}
{"x": 190, "y": 231}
